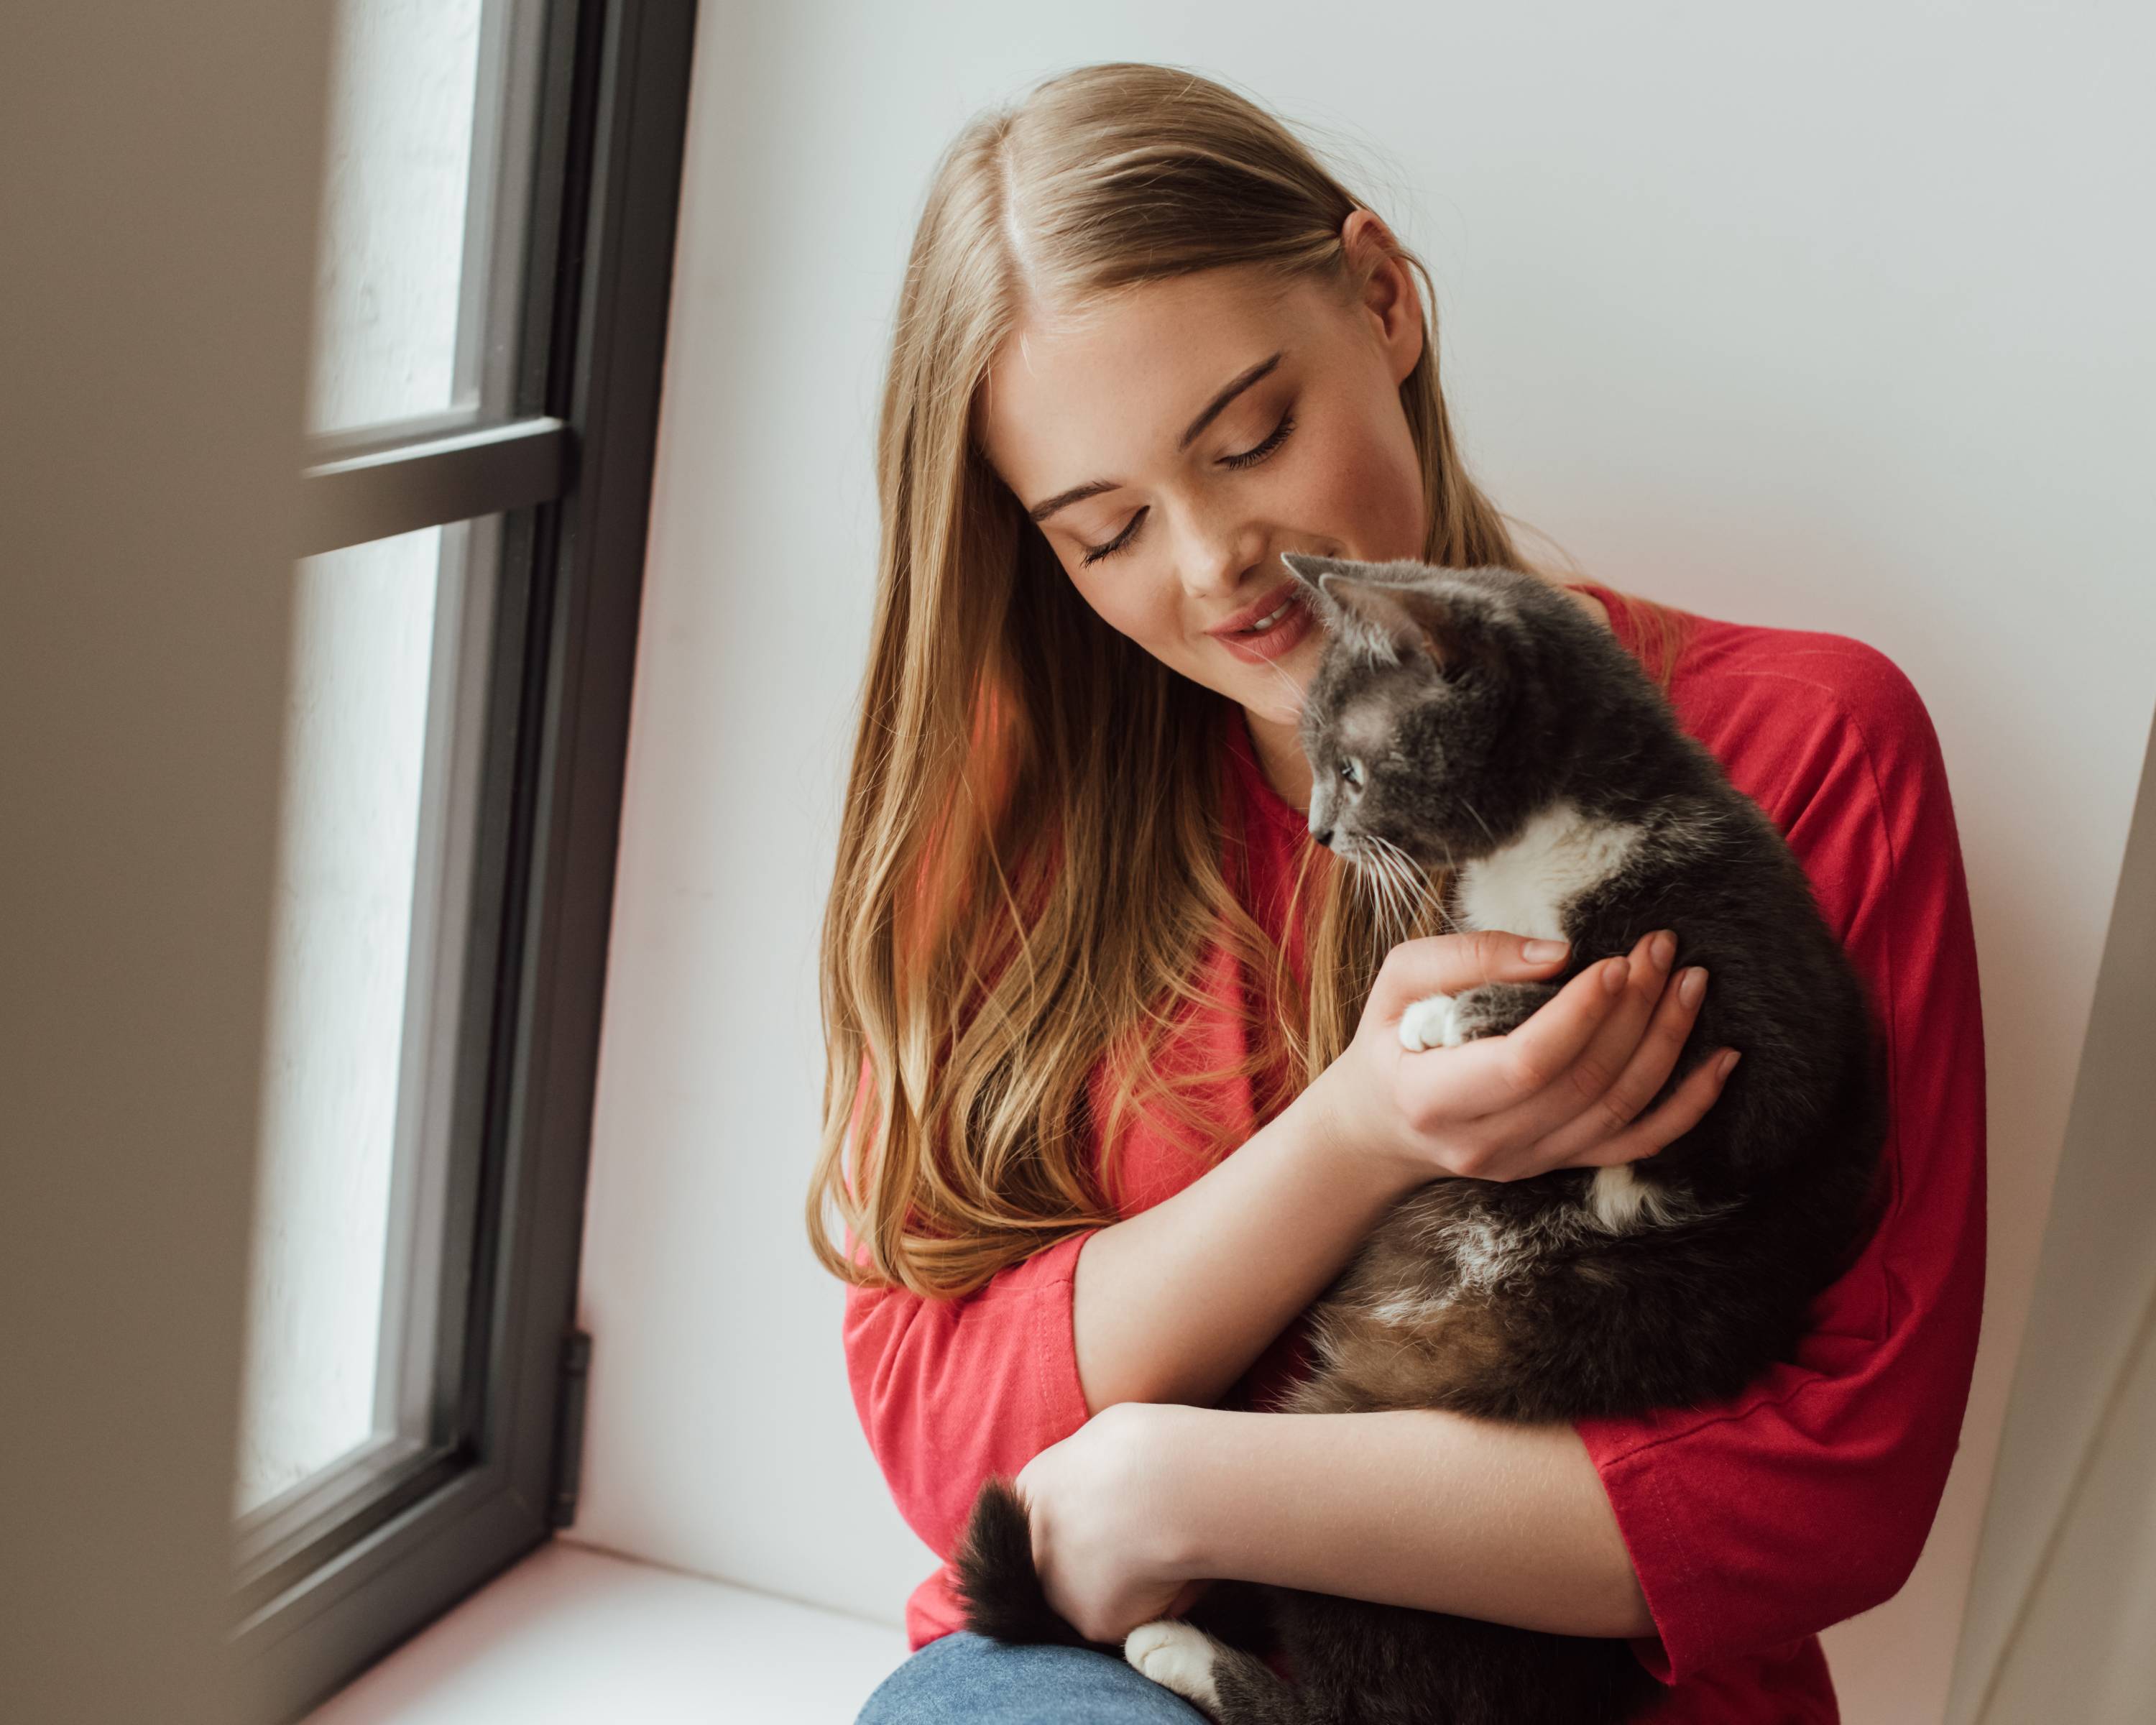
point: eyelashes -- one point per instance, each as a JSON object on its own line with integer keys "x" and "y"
{"x": 1093, "y": 555}
{"x": 1247, "y": 457}
{"x": 1250, "y": 457}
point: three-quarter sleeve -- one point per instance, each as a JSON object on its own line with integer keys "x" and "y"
{"x": 950, "y": 1392}
{"x": 1756, "y": 1522}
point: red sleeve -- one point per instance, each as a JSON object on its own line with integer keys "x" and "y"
{"x": 951, "y": 1391}
{"x": 1807, "y": 1499}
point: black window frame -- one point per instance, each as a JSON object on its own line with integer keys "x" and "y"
{"x": 362, "y": 1558}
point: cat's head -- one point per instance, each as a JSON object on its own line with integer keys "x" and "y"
{"x": 1438, "y": 721}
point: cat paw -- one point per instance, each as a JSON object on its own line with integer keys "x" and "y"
{"x": 1430, "y": 1023}
{"x": 1494, "y": 1009}
{"x": 1176, "y": 1656}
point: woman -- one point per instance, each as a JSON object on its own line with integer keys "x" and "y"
{"x": 1115, "y": 1090}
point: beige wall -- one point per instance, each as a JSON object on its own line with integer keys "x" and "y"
{"x": 157, "y": 188}
{"x": 2065, "y": 1590}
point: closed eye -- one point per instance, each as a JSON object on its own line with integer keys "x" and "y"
{"x": 1095, "y": 553}
{"x": 1246, "y": 457}
{"x": 1251, "y": 457}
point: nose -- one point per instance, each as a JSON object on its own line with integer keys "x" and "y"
{"x": 1323, "y": 837}
{"x": 1221, "y": 555}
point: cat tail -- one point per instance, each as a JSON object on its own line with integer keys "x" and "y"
{"x": 1002, "y": 1591}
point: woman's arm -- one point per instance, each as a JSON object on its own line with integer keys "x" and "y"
{"x": 1420, "y": 1508}
{"x": 1187, "y": 1293}
{"x": 1135, "y": 1511}
{"x": 1174, "y": 1303}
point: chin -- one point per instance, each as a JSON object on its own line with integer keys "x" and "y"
{"x": 1278, "y": 695}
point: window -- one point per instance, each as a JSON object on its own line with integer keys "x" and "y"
{"x": 496, "y": 241}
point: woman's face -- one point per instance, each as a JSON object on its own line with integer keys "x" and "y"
{"x": 1172, "y": 442}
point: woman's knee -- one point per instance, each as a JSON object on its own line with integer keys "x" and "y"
{"x": 965, "y": 1679}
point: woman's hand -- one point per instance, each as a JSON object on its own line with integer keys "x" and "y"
{"x": 1563, "y": 1089}
{"x": 1105, "y": 1524}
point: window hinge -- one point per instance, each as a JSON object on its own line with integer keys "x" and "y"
{"x": 569, "y": 1428}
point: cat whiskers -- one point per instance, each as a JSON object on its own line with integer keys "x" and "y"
{"x": 1479, "y": 822}
{"x": 1399, "y": 887}
{"x": 1396, "y": 917}
{"x": 1417, "y": 886}
{"x": 1373, "y": 873}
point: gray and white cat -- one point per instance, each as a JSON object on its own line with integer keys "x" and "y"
{"x": 1478, "y": 723}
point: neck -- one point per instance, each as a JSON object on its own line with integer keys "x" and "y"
{"x": 1281, "y": 757}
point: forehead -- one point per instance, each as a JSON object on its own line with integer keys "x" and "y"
{"x": 1100, "y": 390}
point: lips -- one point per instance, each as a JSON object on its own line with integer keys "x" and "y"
{"x": 1271, "y": 619}
{"x": 1290, "y": 620}
{"x": 1255, "y": 612}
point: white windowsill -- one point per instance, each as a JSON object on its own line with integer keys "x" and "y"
{"x": 571, "y": 1635}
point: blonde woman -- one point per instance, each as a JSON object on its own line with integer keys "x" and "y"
{"x": 1115, "y": 1090}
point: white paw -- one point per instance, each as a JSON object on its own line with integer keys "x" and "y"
{"x": 1176, "y": 1656}
{"x": 1429, "y": 1023}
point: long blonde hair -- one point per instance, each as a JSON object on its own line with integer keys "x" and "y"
{"x": 1030, "y": 861}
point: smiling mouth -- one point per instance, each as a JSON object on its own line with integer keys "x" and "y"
{"x": 1271, "y": 617}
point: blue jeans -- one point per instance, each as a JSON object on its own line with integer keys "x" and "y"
{"x": 966, "y": 1679}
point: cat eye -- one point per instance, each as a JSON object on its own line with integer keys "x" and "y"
{"x": 1352, "y": 771}
{"x": 1247, "y": 457}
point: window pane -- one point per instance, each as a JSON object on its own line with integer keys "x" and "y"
{"x": 374, "y": 878}
{"x": 427, "y": 172}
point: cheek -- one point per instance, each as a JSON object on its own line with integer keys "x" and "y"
{"x": 1142, "y": 609}
{"x": 1363, "y": 475}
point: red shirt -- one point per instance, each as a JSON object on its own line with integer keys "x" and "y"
{"x": 1754, "y": 1523}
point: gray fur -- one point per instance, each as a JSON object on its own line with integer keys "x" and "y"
{"x": 1475, "y": 732}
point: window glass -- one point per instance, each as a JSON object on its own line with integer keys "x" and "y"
{"x": 426, "y": 164}
{"x": 382, "y": 759}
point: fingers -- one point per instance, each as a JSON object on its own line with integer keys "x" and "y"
{"x": 1602, "y": 1105}
{"x": 1453, "y": 963}
{"x": 1488, "y": 1077}
{"x": 1566, "y": 1088}
{"x": 1575, "y": 1062}
{"x": 1685, "y": 1106}
{"x": 1657, "y": 1055}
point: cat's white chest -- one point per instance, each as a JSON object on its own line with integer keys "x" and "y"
{"x": 1525, "y": 887}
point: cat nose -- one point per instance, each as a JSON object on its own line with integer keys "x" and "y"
{"x": 1324, "y": 838}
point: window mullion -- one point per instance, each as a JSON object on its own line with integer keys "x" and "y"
{"x": 492, "y": 470}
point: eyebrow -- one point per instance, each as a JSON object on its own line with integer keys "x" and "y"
{"x": 1213, "y": 408}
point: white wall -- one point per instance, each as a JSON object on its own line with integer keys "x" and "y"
{"x": 1832, "y": 317}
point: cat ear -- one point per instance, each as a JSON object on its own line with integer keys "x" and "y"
{"x": 1324, "y": 582}
{"x": 1310, "y": 571}
{"x": 1406, "y": 619}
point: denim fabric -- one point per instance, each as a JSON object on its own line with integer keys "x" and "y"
{"x": 966, "y": 1679}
